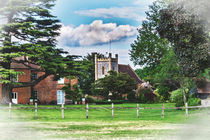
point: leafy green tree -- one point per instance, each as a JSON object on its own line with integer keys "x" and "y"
{"x": 30, "y": 32}
{"x": 187, "y": 31}
{"x": 117, "y": 84}
{"x": 167, "y": 78}
{"x": 149, "y": 48}
{"x": 155, "y": 54}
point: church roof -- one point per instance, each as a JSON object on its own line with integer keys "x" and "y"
{"x": 128, "y": 70}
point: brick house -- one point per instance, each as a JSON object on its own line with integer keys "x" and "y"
{"x": 47, "y": 91}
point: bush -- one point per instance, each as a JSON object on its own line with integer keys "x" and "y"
{"x": 89, "y": 99}
{"x": 164, "y": 92}
{"x": 194, "y": 101}
{"x": 158, "y": 98}
{"x": 146, "y": 96}
{"x": 132, "y": 96}
{"x": 177, "y": 97}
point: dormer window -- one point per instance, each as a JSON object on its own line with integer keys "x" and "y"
{"x": 61, "y": 81}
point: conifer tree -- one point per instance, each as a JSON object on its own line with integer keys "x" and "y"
{"x": 28, "y": 33}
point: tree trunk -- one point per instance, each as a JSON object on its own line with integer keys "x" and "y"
{"x": 185, "y": 98}
{"x": 6, "y": 94}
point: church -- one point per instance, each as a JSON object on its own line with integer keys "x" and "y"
{"x": 105, "y": 64}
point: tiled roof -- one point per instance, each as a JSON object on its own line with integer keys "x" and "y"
{"x": 22, "y": 66}
{"x": 127, "y": 69}
{"x": 15, "y": 65}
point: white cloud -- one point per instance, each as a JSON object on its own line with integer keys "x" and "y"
{"x": 95, "y": 33}
{"x": 114, "y": 12}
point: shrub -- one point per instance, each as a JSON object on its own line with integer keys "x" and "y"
{"x": 132, "y": 96}
{"x": 146, "y": 96}
{"x": 194, "y": 101}
{"x": 164, "y": 92}
{"x": 177, "y": 97}
{"x": 158, "y": 98}
{"x": 89, "y": 99}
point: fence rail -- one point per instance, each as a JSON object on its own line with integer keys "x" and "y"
{"x": 112, "y": 108}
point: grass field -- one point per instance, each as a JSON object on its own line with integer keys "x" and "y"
{"x": 100, "y": 124}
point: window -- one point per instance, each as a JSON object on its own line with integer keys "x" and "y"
{"x": 103, "y": 70}
{"x": 33, "y": 76}
{"x": 60, "y": 97}
{"x": 61, "y": 81}
{"x": 14, "y": 95}
{"x": 35, "y": 94}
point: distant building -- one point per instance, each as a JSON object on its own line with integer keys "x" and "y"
{"x": 105, "y": 64}
{"x": 204, "y": 92}
{"x": 47, "y": 91}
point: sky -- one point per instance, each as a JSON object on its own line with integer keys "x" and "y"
{"x": 101, "y": 26}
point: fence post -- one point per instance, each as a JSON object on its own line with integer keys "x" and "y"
{"x": 162, "y": 114}
{"x": 112, "y": 110}
{"x": 137, "y": 110}
{"x": 186, "y": 109}
{"x": 62, "y": 110}
{"x": 87, "y": 111}
{"x": 10, "y": 110}
{"x": 35, "y": 110}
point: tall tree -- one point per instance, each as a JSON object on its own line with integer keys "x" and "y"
{"x": 149, "y": 48}
{"x": 189, "y": 32}
{"x": 30, "y": 32}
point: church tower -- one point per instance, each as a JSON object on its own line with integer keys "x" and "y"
{"x": 105, "y": 64}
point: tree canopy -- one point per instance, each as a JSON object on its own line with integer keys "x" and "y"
{"x": 117, "y": 84}
{"x": 149, "y": 48}
{"x": 189, "y": 33}
{"x": 29, "y": 33}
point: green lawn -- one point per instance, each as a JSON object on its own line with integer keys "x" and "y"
{"x": 100, "y": 123}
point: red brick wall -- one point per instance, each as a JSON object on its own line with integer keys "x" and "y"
{"x": 24, "y": 94}
{"x": 47, "y": 91}
{"x": 47, "y": 88}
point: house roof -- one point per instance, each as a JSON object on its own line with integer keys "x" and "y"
{"x": 206, "y": 88}
{"x": 128, "y": 70}
{"x": 24, "y": 65}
